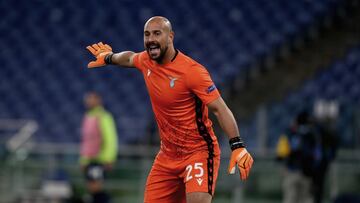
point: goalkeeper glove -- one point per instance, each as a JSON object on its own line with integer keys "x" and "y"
{"x": 240, "y": 157}
{"x": 103, "y": 54}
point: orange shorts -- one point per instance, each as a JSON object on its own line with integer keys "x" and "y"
{"x": 170, "y": 179}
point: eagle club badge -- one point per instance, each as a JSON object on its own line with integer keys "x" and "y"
{"x": 172, "y": 81}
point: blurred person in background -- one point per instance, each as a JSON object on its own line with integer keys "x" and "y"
{"x": 326, "y": 114}
{"x": 296, "y": 149}
{"x": 326, "y": 153}
{"x": 181, "y": 93}
{"x": 99, "y": 146}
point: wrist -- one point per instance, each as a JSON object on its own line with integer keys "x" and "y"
{"x": 236, "y": 142}
{"x": 108, "y": 58}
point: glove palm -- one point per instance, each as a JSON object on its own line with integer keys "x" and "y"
{"x": 100, "y": 51}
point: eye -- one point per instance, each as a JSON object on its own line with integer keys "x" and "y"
{"x": 157, "y": 33}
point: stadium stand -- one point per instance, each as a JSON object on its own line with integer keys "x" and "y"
{"x": 339, "y": 82}
{"x": 44, "y": 76}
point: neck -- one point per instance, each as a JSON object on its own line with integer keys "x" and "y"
{"x": 95, "y": 108}
{"x": 169, "y": 55}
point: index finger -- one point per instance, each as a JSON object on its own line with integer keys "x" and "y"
{"x": 91, "y": 49}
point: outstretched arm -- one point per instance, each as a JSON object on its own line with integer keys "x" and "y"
{"x": 125, "y": 58}
{"x": 104, "y": 56}
{"x": 239, "y": 156}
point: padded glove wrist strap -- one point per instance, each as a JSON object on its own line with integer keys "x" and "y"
{"x": 236, "y": 142}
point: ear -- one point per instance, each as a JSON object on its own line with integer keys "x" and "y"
{"x": 172, "y": 35}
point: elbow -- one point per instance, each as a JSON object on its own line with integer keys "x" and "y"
{"x": 218, "y": 107}
{"x": 217, "y": 111}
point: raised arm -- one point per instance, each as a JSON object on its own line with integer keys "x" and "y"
{"x": 104, "y": 56}
{"x": 124, "y": 58}
{"x": 239, "y": 156}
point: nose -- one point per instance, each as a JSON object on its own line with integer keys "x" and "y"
{"x": 151, "y": 38}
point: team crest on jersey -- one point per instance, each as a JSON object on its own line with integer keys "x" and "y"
{"x": 210, "y": 88}
{"x": 172, "y": 81}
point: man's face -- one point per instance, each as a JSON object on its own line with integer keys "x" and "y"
{"x": 157, "y": 38}
{"x": 91, "y": 101}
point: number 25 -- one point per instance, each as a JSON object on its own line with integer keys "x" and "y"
{"x": 197, "y": 166}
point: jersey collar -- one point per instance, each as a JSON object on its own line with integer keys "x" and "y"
{"x": 176, "y": 53}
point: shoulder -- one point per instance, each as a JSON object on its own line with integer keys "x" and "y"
{"x": 103, "y": 113}
{"x": 183, "y": 58}
{"x": 192, "y": 66}
{"x": 107, "y": 114}
{"x": 141, "y": 58}
{"x": 142, "y": 55}
{"x": 198, "y": 76}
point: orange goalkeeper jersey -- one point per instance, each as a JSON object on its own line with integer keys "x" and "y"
{"x": 179, "y": 92}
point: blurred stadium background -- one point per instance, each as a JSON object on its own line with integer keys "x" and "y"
{"x": 270, "y": 60}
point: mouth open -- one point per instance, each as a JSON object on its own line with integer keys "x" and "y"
{"x": 154, "y": 50}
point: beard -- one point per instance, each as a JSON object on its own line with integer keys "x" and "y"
{"x": 156, "y": 52}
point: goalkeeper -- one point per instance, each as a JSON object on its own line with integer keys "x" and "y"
{"x": 181, "y": 92}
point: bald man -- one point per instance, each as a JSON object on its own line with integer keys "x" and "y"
{"x": 181, "y": 92}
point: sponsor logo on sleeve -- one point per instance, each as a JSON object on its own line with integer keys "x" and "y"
{"x": 211, "y": 88}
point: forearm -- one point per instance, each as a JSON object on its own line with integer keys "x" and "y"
{"x": 227, "y": 122}
{"x": 239, "y": 154}
{"x": 124, "y": 58}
